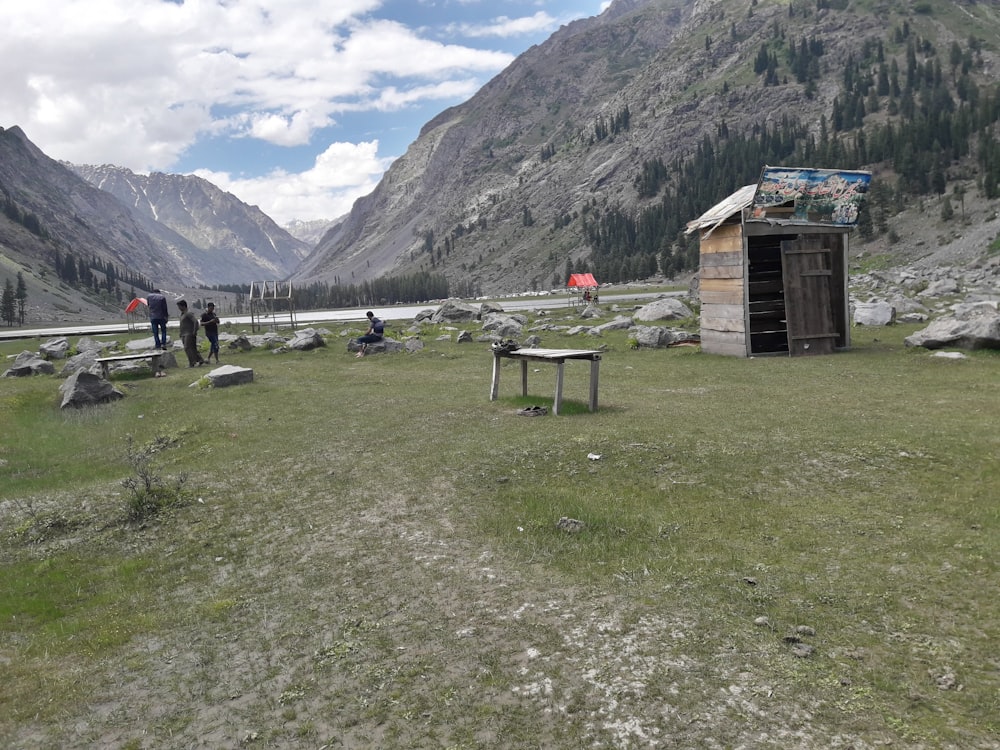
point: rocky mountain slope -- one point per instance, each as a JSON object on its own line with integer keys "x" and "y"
{"x": 174, "y": 231}
{"x": 494, "y": 191}
{"x": 213, "y": 237}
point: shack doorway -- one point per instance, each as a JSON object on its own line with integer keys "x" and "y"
{"x": 795, "y": 294}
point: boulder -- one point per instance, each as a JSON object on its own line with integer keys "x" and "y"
{"x": 87, "y": 344}
{"x": 590, "y": 311}
{"x": 424, "y": 316}
{"x": 489, "y": 307}
{"x": 29, "y": 363}
{"x": 620, "y": 323}
{"x": 664, "y": 308}
{"x": 455, "y": 311}
{"x": 413, "y": 345}
{"x": 504, "y": 325}
{"x": 385, "y": 346}
{"x": 464, "y": 337}
{"x": 979, "y": 332}
{"x": 306, "y": 340}
{"x": 84, "y": 388}
{"x": 85, "y": 360}
{"x": 652, "y": 337}
{"x": 227, "y": 375}
{"x": 146, "y": 345}
{"x": 874, "y": 313}
{"x": 55, "y": 348}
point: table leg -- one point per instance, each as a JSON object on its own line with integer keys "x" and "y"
{"x": 559, "y": 387}
{"x": 524, "y": 377}
{"x": 495, "y": 387}
{"x": 595, "y": 365}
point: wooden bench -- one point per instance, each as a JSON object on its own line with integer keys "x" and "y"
{"x": 555, "y": 356}
{"x": 153, "y": 357}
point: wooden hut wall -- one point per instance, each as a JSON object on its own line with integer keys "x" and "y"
{"x": 722, "y": 291}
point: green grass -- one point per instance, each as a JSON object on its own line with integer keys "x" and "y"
{"x": 368, "y": 548}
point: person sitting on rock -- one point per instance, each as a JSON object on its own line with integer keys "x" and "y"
{"x": 375, "y": 330}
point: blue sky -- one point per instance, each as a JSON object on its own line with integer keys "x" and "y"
{"x": 297, "y": 106}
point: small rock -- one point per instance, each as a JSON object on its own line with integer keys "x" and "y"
{"x": 570, "y": 525}
{"x": 802, "y": 650}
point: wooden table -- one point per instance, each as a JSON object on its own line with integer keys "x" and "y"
{"x": 153, "y": 357}
{"x": 555, "y": 356}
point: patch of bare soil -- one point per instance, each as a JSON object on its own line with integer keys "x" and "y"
{"x": 379, "y": 622}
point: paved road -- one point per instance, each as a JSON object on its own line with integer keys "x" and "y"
{"x": 307, "y": 317}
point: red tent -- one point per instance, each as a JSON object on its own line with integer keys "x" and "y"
{"x": 134, "y": 304}
{"x": 582, "y": 280}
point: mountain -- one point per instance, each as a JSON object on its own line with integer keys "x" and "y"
{"x": 592, "y": 150}
{"x": 55, "y": 225}
{"x": 213, "y": 237}
{"x": 82, "y": 248}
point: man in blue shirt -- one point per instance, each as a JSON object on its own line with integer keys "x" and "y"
{"x": 375, "y": 330}
{"x": 158, "y": 315}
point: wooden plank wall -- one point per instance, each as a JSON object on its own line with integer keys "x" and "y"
{"x": 721, "y": 292}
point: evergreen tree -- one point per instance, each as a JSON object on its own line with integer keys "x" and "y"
{"x": 8, "y": 304}
{"x": 21, "y": 295}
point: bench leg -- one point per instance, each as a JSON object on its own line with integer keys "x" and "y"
{"x": 559, "y": 388}
{"x": 524, "y": 377}
{"x": 495, "y": 386}
{"x": 595, "y": 366}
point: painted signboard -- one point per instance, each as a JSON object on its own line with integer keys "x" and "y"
{"x": 831, "y": 196}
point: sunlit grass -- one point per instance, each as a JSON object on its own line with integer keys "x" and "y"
{"x": 853, "y": 493}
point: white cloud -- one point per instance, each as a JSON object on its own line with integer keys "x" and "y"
{"x": 136, "y": 82}
{"x": 503, "y": 26}
{"x": 139, "y": 83}
{"x": 340, "y": 175}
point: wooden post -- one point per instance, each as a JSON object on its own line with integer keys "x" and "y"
{"x": 595, "y": 366}
{"x": 495, "y": 387}
{"x": 524, "y": 377}
{"x": 559, "y": 386}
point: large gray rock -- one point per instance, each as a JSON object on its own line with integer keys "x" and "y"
{"x": 455, "y": 311}
{"x": 84, "y": 388}
{"x": 652, "y": 337}
{"x": 385, "y": 346}
{"x": 29, "y": 363}
{"x": 874, "y": 313}
{"x": 226, "y": 375}
{"x": 55, "y": 348}
{"x": 86, "y": 360}
{"x": 979, "y": 332}
{"x": 305, "y": 340}
{"x": 665, "y": 308}
{"x": 424, "y": 316}
{"x": 504, "y": 325}
{"x": 620, "y": 323}
{"x": 86, "y": 344}
{"x": 147, "y": 344}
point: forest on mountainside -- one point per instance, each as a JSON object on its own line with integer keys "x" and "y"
{"x": 919, "y": 124}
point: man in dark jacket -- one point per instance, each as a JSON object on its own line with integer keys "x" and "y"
{"x": 158, "y": 315}
{"x": 189, "y": 334}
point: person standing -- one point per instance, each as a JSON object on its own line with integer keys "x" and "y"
{"x": 189, "y": 334}
{"x": 375, "y": 330}
{"x": 158, "y": 314}
{"x": 210, "y": 322}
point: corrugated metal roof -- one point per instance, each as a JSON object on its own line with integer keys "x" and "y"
{"x": 723, "y": 209}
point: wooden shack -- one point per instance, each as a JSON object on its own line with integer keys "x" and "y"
{"x": 773, "y": 270}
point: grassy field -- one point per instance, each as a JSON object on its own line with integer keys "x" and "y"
{"x": 775, "y": 553}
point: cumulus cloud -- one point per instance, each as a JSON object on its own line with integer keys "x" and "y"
{"x": 341, "y": 174}
{"x": 141, "y": 83}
